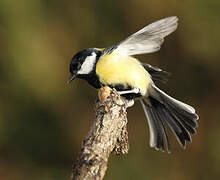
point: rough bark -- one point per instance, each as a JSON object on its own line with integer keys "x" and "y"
{"x": 108, "y": 134}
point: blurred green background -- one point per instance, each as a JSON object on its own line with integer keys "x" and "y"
{"x": 43, "y": 120}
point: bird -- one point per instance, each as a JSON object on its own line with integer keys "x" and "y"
{"x": 116, "y": 67}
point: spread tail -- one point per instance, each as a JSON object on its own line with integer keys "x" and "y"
{"x": 162, "y": 110}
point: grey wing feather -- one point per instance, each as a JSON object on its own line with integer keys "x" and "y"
{"x": 148, "y": 39}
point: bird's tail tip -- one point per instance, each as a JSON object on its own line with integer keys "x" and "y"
{"x": 163, "y": 111}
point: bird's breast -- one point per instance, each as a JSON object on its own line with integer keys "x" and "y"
{"x": 113, "y": 69}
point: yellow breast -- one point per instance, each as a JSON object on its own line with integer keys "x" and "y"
{"x": 117, "y": 69}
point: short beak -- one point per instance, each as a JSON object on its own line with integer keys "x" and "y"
{"x": 72, "y": 77}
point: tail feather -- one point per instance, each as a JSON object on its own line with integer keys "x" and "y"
{"x": 154, "y": 128}
{"x": 165, "y": 136}
{"x": 158, "y": 133}
{"x": 189, "y": 117}
{"x": 188, "y": 123}
{"x": 161, "y": 109}
{"x": 163, "y": 129}
{"x": 185, "y": 133}
{"x": 159, "y": 139}
{"x": 172, "y": 123}
{"x": 174, "y": 126}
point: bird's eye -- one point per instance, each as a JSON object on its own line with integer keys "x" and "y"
{"x": 76, "y": 66}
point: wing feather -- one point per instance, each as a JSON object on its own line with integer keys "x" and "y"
{"x": 146, "y": 40}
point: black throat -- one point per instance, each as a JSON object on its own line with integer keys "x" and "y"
{"x": 92, "y": 79}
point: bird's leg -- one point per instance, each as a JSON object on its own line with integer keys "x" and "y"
{"x": 135, "y": 90}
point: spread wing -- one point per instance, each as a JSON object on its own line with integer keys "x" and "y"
{"x": 147, "y": 40}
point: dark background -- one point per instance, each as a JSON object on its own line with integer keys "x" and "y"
{"x": 43, "y": 120}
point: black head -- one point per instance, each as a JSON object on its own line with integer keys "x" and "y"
{"x": 83, "y": 62}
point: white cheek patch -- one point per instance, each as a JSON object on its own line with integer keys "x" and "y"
{"x": 88, "y": 64}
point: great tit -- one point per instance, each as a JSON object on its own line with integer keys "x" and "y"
{"x": 116, "y": 67}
